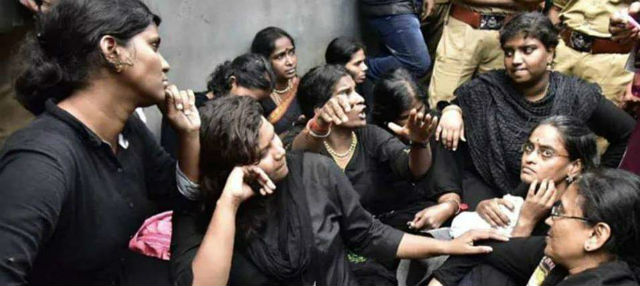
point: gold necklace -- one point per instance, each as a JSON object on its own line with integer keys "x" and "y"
{"x": 281, "y": 91}
{"x": 352, "y": 147}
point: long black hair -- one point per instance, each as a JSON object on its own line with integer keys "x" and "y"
{"x": 64, "y": 49}
{"x": 229, "y": 137}
{"x": 249, "y": 71}
{"x": 264, "y": 42}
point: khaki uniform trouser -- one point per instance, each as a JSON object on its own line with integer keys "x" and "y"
{"x": 462, "y": 52}
{"x": 606, "y": 70}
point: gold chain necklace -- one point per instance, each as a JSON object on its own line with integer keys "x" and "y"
{"x": 281, "y": 91}
{"x": 352, "y": 147}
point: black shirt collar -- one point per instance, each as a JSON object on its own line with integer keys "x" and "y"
{"x": 87, "y": 135}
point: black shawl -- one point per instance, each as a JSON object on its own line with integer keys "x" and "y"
{"x": 284, "y": 249}
{"x": 498, "y": 119}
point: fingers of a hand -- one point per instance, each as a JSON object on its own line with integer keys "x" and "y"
{"x": 412, "y": 117}
{"x": 338, "y": 110}
{"x": 506, "y": 203}
{"x": 489, "y": 217}
{"x": 438, "y": 131}
{"x": 397, "y": 129}
{"x": 420, "y": 222}
{"x": 532, "y": 188}
{"x": 263, "y": 178}
{"x": 186, "y": 105}
{"x": 480, "y": 249}
{"x": 344, "y": 102}
{"x": 503, "y": 220}
{"x": 454, "y": 143}
{"x": 326, "y": 117}
{"x": 542, "y": 189}
{"x": 331, "y": 114}
{"x": 175, "y": 94}
{"x": 462, "y": 137}
{"x": 192, "y": 97}
{"x": 449, "y": 140}
{"x": 550, "y": 193}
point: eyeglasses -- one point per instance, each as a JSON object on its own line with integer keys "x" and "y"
{"x": 556, "y": 213}
{"x": 545, "y": 153}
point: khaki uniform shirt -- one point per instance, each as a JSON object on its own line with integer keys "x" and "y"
{"x": 589, "y": 16}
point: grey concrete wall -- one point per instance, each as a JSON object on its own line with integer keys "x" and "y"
{"x": 199, "y": 34}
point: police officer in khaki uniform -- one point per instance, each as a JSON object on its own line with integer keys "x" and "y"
{"x": 470, "y": 42}
{"x": 586, "y": 49}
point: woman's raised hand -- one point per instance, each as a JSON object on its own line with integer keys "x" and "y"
{"x": 238, "y": 185}
{"x": 336, "y": 109}
{"x": 451, "y": 127}
{"x": 538, "y": 203}
{"x": 419, "y": 128}
{"x": 181, "y": 110}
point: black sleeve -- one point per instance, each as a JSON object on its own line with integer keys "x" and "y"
{"x": 444, "y": 175}
{"x": 360, "y": 231}
{"x": 517, "y": 258}
{"x": 33, "y": 189}
{"x": 187, "y": 235}
{"x": 616, "y": 126}
{"x": 387, "y": 149}
{"x": 160, "y": 167}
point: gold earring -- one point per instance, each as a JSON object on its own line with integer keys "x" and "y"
{"x": 119, "y": 65}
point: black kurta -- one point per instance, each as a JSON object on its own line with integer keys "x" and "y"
{"x": 379, "y": 172}
{"x": 338, "y": 222}
{"x": 69, "y": 205}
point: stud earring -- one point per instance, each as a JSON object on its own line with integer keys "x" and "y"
{"x": 569, "y": 179}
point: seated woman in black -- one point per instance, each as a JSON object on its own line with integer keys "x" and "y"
{"x": 556, "y": 152}
{"x": 79, "y": 180}
{"x": 296, "y": 231}
{"x": 247, "y": 75}
{"x": 497, "y": 109}
{"x": 437, "y": 195}
{"x": 351, "y": 54}
{"x": 372, "y": 158}
{"x": 593, "y": 237}
{"x": 278, "y": 47}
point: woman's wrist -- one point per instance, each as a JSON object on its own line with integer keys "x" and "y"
{"x": 454, "y": 204}
{"x": 318, "y": 128}
{"x": 229, "y": 201}
{"x": 452, "y": 107}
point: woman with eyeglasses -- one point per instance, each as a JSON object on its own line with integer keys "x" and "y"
{"x": 592, "y": 240}
{"x": 496, "y": 110}
{"x": 556, "y": 152}
{"x": 595, "y": 231}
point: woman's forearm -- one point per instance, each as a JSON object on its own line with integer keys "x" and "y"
{"x": 189, "y": 154}
{"x": 414, "y": 247}
{"x": 212, "y": 263}
{"x": 419, "y": 160}
{"x": 304, "y": 141}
